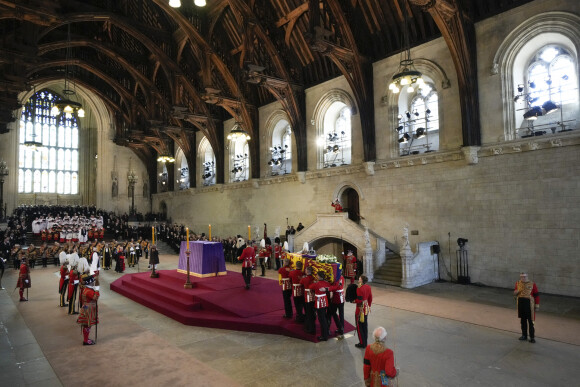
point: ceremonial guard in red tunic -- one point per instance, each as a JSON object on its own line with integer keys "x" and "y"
{"x": 64, "y": 279}
{"x": 298, "y": 291}
{"x": 528, "y": 301}
{"x": 73, "y": 284}
{"x": 320, "y": 288}
{"x": 363, "y": 301}
{"x": 379, "y": 361}
{"x": 286, "y": 282}
{"x": 306, "y": 281}
{"x": 350, "y": 266}
{"x": 89, "y": 311}
{"x": 336, "y": 205}
{"x": 23, "y": 278}
{"x": 264, "y": 254}
{"x": 277, "y": 252}
{"x": 248, "y": 259}
{"x": 337, "y": 304}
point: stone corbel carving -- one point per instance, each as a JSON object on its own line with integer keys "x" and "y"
{"x": 256, "y": 183}
{"x": 470, "y": 153}
{"x": 301, "y": 177}
{"x": 369, "y": 168}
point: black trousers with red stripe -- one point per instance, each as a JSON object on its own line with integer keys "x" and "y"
{"x": 362, "y": 329}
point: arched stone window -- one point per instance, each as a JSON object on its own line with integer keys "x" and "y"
{"x": 279, "y": 153}
{"x": 550, "y": 87}
{"x": 332, "y": 117}
{"x": 538, "y": 62}
{"x": 239, "y": 160}
{"x": 418, "y": 116}
{"x": 48, "y": 150}
{"x": 206, "y": 163}
{"x": 418, "y": 110}
{"x": 163, "y": 180}
{"x": 182, "y": 179}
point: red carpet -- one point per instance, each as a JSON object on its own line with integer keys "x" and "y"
{"x": 216, "y": 302}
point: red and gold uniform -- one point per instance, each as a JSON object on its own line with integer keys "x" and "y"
{"x": 298, "y": 293}
{"x": 528, "y": 301}
{"x": 286, "y": 282}
{"x": 309, "y": 326}
{"x": 320, "y": 288}
{"x": 264, "y": 254}
{"x": 248, "y": 259}
{"x": 378, "y": 358}
{"x": 73, "y": 285}
{"x": 277, "y": 254}
{"x": 63, "y": 283}
{"x": 363, "y": 301}
{"x": 350, "y": 267}
{"x": 23, "y": 279}
{"x": 337, "y": 304}
{"x": 89, "y": 312}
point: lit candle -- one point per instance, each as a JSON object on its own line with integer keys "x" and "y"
{"x": 249, "y": 233}
{"x": 152, "y": 235}
{"x": 210, "y": 232}
{"x": 187, "y": 236}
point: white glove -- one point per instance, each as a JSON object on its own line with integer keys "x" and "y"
{"x": 26, "y": 281}
{"x": 76, "y": 282}
{"x": 66, "y": 277}
{"x": 97, "y": 288}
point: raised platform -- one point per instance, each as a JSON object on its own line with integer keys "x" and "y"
{"x": 216, "y": 302}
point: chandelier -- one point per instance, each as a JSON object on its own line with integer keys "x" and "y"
{"x": 166, "y": 159}
{"x": 177, "y": 3}
{"x": 68, "y": 106}
{"x": 406, "y": 75}
{"x": 33, "y": 144}
{"x": 238, "y": 133}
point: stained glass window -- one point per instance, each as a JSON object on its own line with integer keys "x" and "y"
{"x": 48, "y": 158}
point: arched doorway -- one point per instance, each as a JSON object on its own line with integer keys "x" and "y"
{"x": 350, "y": 196}
{"x": 337, "y": 247}
{"x": 163, "y": 210}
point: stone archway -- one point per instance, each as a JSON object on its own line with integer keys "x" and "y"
{"x": 332, "y": 232}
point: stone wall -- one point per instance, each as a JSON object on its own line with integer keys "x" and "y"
{"x": 519, "y": 211}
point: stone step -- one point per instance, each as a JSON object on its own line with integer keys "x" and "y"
{"x": 390, "y": 272}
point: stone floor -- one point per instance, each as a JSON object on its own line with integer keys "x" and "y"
{"x": 443, "y": 334}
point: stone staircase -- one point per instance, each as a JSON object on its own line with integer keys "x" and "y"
{"x": 391, "y": 272}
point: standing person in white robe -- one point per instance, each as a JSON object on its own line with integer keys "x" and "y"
{"x": 95, "y": 263}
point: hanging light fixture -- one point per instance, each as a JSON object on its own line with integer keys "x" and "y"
{"x": 238, "y": 132}
{"x": 166, "y": 159}
{"x": 33, "y": 145}
{"x": 406, "y": 75}
{"x": 67, "y": 106}
{"x": 177, "y": 3}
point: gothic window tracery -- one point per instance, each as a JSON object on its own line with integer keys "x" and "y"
{"x": 48, "y": 158}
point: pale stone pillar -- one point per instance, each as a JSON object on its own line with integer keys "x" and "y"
{"x": 406, "y": 258}
{"x": 368, "y": 258}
